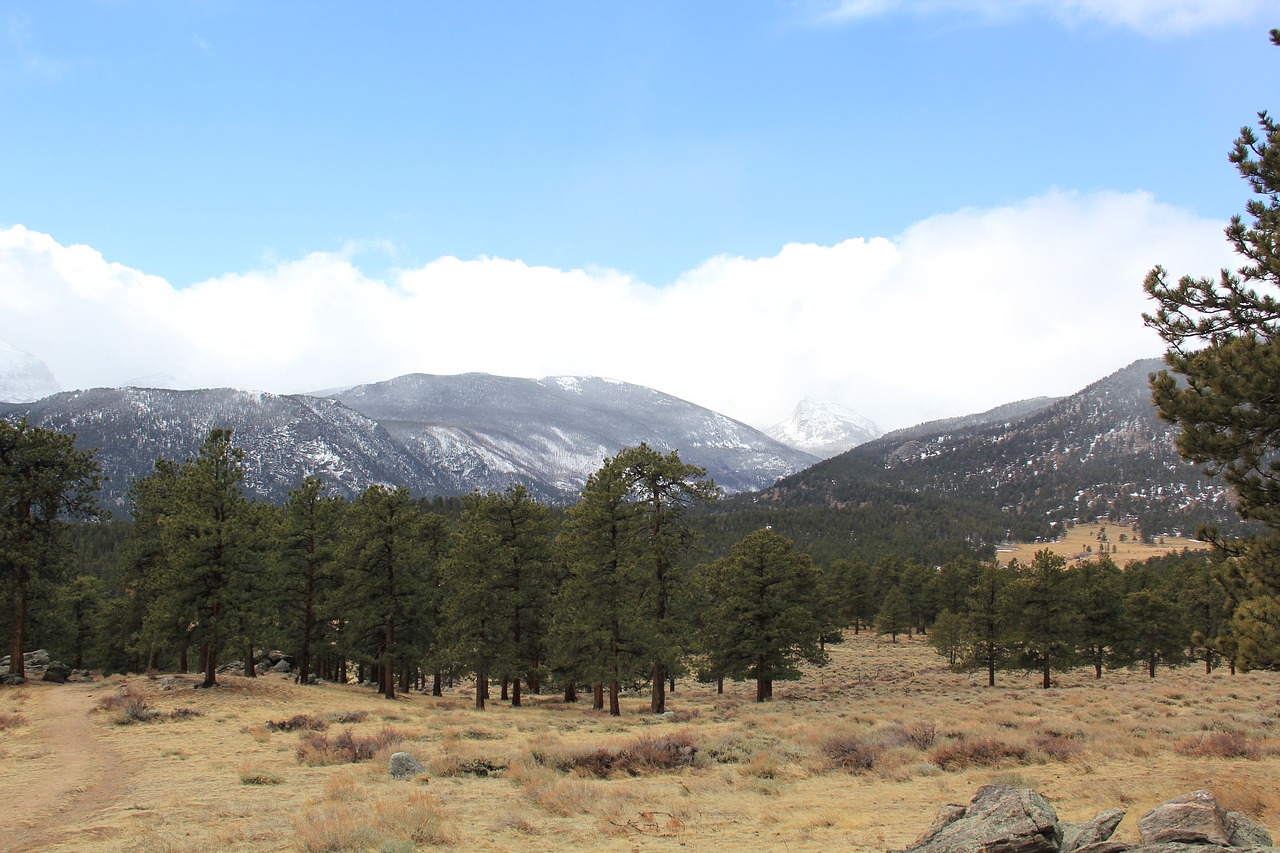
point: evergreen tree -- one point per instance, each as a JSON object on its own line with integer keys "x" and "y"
{"x": 386, "y": 581}
{"x": 498, "y": 587}
{"x": 1097, "y": 590}
{"x": 1223, "y": 338}
{"x": 665, "y": 488}
{"x": 601, "y": 632}
{"x": 1155, "y": 631}
{"x": 762, "y": 617}
{"x": 1046, "y": 621}
{"x": 210, "y": 540}
{"x": 989, "y": 620}
{"x": 308, "y": 542}
{"x": 43, "y": 479}
{"x": 894, "y": 617}
{"x": 948, "y": 636}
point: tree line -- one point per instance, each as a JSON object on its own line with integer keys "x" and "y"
{"x": 606, "y": 595}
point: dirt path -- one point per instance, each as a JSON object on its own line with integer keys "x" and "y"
{"x": 71, "y": 778}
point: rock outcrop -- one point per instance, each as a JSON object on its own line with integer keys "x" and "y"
{"x": 1001, "y": 819}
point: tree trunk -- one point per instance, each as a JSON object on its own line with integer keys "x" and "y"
{"x": 153, "y": 662}
{"x": 482, "y": 685}
{"x": 437, "y": 683}
{"x": 183, "y": 665}
{"x": 720, "y": 686}
{"x": 1046, "y": 681}
{"x": 597, "y": 696}
{"x": 658, "y": 699}
{"x": 760, "y": 679}
{"x": 505, "y": 694}
{"x": 389, "y": 679}
{"x": 1151, "y": 667}
{"x": 250, "y": 670}
{"x": 210, "y": 655}
{"x": 515, "y": 693}
{"x": 991, "y": 672}
{"x": 615, "y": 707}
{"x": 570, "y": 692}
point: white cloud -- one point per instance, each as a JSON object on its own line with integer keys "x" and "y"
{"x": 1151, "y": 17}
{"x": 959, "y": 313}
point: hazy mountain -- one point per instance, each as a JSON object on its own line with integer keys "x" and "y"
{"x": 1097, "y": 453}
{"x": 285, "y": 438}
{"x": 824, "y": 429}
{"x": 431, "y": 434}
{"x": 23, "y": 377}
{"x": 484, "y": 430}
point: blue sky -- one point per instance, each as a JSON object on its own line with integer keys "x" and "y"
{"x": 584, "y": 162}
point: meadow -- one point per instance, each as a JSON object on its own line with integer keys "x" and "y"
{"x": 858, "y": 755}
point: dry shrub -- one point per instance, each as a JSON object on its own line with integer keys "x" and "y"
{"x": 1219, "y": 745}
{"x": 299, "y": 722}
{"x": 184, "y": 713}
{"x": 644, "y": 755}
{"x": 318, "y": 749}
{"x": 920, "y": 734}
{"x": 342, "y": 789}
{"x": 977, "y": 752}
{"x": 347, "y": 718}
{"x": 394, "y": 823}
{"x": 253, "y": 774}
{"x": 557, "y": 795}
{"x": 738, "y": 747}
{"x": 1056, "y": 747}
{"x": 11, "y": 721}
{"x": 852, "y": 753}
{"x": 129, "y": 706}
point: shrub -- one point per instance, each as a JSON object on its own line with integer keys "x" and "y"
{"x": 1219, "y": 745}
{"x": 977, "y": 752}
{"x": 852, "y": 753}
{"x": 11, "y": 721}
{"x": 644, "y": 755}
{"x": 317, "y": 748}
{"x": 129, "y": 706}
{"x": 399, "y": 823}
{"x": 347, "y": 717}
{"x": 299, "y": 722}
{"x": 252, "y": 774}
{"x": 1056, "y": 747}
{"x": 919, "y": 734}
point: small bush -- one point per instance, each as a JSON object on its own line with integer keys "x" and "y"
{"x": 644, "y": 755}
{"x": 347, "y": 717}
{"x": 184, "y": 713}
{"x": 920, "y": 734}
{"x": 389, "y": 824}
{"x": 299, "y": 722}
{"x": 11, "y": 721}
{"x": 852, "y": 753}
{"x": 1219, "y": 745}
{"x": 977, "y": 752}
{"x": 252, "y": 774}
{"x": 128, "y": 707}
{"x": 1056, "y": 747}
{"x": 318, "y": 749}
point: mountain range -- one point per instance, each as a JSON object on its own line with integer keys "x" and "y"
{"x": 435, "y": 435}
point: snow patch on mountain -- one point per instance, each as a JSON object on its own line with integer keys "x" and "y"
{"x": 23, "y": 377}
{"x": 824, "y": 429}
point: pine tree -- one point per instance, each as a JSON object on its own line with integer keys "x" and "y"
{"x": 1046, "y": 622}
{"x": 989, "y": 620}
{"x": 308, "y": 542}
{"x": 43, "y": 479}
{"x": 1223, "y": 338}
{"x": 1097, "y": 590}
{"x": 762, "y": 619}
{"x": 894, "y": 617}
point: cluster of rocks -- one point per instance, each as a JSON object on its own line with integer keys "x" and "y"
{"x": 263, "y": 662}
{"x": 38, "y": 666}
{"x": 1002, "y": 819}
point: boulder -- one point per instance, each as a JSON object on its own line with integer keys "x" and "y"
{"x": 405, "y": 766}
{"x": 57, "y": 672}
{"x": 1194, "y": 818}
{"x": 1100, "y": 828}
{"x": 282, "y": 666}
{"x": 1245, "y": 833}
{"x": 999, "y": 819}
{"x": 37, "y": 658}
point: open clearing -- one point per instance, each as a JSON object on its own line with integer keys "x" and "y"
{"x": 1083, "y": 542}
{"x": 765, "y": 776}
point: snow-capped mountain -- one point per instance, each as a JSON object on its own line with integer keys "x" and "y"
{"x": 484, "y": 430}
{"x": 824, "y": 429}
{"x": 23, "y": 377}
{"x": 435, "y": 435}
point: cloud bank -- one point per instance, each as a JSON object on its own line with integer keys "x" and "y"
{"x": 1150, "y": 17}
{"x": 959, "y": 313}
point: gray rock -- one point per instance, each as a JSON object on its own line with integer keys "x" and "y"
{"x": 37, "y": 658}
{"x": 1104, "y": 847}
{"x": 405, "y": 766}
{"x": 57, "y": 672}
{"x": 282, "y": 666}
{"x": 11, "y": 680}
{"x": 1100, "y": 828}
{"x": 999, "y": 819}
{"x": 1194, "y": 818}
{"x": 1245, "y": 833}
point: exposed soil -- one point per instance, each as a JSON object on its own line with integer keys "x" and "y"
{"x": 80, "y": 781}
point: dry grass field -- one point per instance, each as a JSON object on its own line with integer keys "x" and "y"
{"x": 1078, "y": 539}
{"x": 858, "y": 756}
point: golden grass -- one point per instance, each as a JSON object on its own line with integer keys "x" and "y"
{"x": 857, "y": 756}
{"x": 1078, "y": 539}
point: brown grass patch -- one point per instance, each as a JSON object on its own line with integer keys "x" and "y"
{"x": 347, "y": 747}
{"x": 1219, "y": 745}
{"x": 969, "y": 752}
{"x": 11, "y": 721}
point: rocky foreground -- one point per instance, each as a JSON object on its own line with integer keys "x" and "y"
{"x": 1001, "y": 819}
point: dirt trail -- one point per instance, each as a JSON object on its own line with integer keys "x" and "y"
{"x": 63, "y": 803}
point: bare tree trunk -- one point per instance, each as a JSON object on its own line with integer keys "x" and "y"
{"x": 658, "y": 699}
{"x": 437, "y": 683}
{"x": 210, "y": 655}
{"x": 570, "y": 692}
{"x": 597, "y": 696}
{"x": 481, "y": 689}
{"x": 183, "y": 665}
{"x": 250, "y": 670}
{"x": 515, "y": 693}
